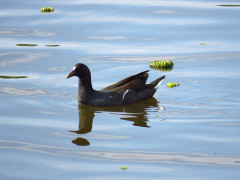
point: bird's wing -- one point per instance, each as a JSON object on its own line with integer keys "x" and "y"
{"x": 134, "y": 82}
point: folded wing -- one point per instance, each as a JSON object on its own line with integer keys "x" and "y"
{"x": 136, "y": 82}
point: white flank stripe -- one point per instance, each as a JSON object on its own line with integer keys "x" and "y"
{"x": 125, "y": 94}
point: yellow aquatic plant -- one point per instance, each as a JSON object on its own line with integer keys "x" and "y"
{"x": 47, "y": 9}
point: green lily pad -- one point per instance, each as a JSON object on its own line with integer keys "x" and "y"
{"x": 172, "y": 85}
{"x": 12, "y": 77}
{"x": 164, "y": 65}
{"x": 203, "y": 43}
{"x": 123, "y": 168}
{"x": 52, "y": 45}
{"x": 163, "y": 69}
{"x": 47, "y": 9}
{"x": 26, "y": 44}
{"x": 229, "y": 5}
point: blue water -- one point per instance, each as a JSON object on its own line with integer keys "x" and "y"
{"x": 187, "y": 132}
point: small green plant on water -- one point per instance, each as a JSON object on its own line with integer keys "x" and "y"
{"x": 172, "y": 85}
{"x": 123, "y": 168}
{"x": 47, "y": 9}
{"x": 12, "y": 77}
{"x": 162, "y": 64}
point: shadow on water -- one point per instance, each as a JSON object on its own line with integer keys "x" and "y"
{"x": 137, "y": 113}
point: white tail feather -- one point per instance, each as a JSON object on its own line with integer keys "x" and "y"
{"x": 158, "y": 84}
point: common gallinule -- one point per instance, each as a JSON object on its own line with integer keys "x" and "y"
{"x": 129, "y": 90}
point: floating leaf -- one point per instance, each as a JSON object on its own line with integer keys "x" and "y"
{"x": 162, "y": 63}
{"x": 203, "y": 43}
{"x": 163, "y": 69}
{"x": 52, "y": 45}
{"x": 12, "y": 77}
{"x": 123, "y": 168}
{"x": 229, "y": 5}
{"x": 47, "y": 9}
{"x": 26, "y": 44}
{"x": 172, "y": 85}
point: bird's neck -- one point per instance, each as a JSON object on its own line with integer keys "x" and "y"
{"x": 84, "y": 90}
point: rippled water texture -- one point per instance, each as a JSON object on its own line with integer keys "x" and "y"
{"x": 187, "y": 132}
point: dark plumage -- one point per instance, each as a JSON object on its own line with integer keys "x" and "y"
{"x": 129, "y": 90}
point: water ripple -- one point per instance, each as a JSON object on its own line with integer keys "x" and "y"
{"x": 131, "y": 156}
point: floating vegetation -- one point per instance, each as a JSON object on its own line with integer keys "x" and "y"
{"x": 26, "y": 44}
{"x": 172, "y": 85}
{"x": 203, "y": 43}
{"x": 123, "y": 168}
{"x": 229, "y": 5}
{"x": 163, "y": 65}
{"x": 12, "y": 77}
{"x": 166, "y": 69}
{"x": 47, "y": 10}
{"x": 52, "y": 45}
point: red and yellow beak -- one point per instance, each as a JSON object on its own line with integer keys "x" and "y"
{"x": 71, "y": 74}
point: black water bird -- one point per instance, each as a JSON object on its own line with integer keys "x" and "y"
{"x": 129, "y": 90}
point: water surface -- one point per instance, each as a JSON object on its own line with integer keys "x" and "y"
{"x": 187, "y": 132}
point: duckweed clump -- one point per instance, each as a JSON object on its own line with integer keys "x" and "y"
{"x": 162, "y": 64}
{"x": 123, "y": 168}
{"x": 47, "y": 9}
{"x": 172, "y": 85}
{"x": 166, "y": 69}
{"x": 12, "y": 77}
{"x": 26, "y": 44}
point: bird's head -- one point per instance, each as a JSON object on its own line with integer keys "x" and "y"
{"x": 80, "y": 70}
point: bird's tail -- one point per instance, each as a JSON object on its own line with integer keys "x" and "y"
{"x": 156, "y": 83}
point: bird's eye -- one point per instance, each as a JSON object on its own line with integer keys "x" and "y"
{"x": 74, "y": 67}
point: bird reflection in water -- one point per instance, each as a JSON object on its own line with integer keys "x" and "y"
{"x": 137, "y": 113}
